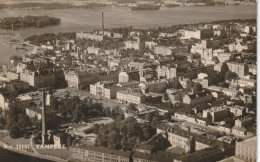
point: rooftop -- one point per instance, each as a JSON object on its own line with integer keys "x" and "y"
{"x": 104, "y": 150}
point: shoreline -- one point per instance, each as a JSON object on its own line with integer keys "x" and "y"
{"x": 31, "y": 154}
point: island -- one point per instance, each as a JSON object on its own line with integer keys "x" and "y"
{"x": 145, "y": 7}
{"x": 28, "y": 21}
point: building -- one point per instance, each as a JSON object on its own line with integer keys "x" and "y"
{"x": 92, "y": 36}
{"x": 40, "y": 78}
{"x": 60, "y": 139}
{"x": 215, "y": 153}
{"x": 187, "y": 140}
{"x": 101, "y": 154}
{"x": 243, "y": 82}
{"x": 195, "y": 99}
{"x": 237, "y": 47}
{"x": 166, "y": 72}
{"x": 7, "y": 100}
{"x": 221, "y": 55}
{"x": 238, "y": 110}
{"x": 216, "y": 113}
{"x": 244, "y": 122}
{"x": 97, "y": 89}
{"x": 154, "y": 86}
{"x": 132, "y": 44}
{"x": 93, "y": 50}
{"x": 12, "y": 76}
{"x": 33, "y": 112}
{"x": 159, "y": 156}
{"x": 240, "y": 69}
{"x": 123, "y": 77}
{"x": 151, "y": 45}
{"x": 246, "y": 149}
{"x": 192, "y": 34}
{"x": 130, "y": 97}
{"x": 162, "y": 50}
{"x": 82, "y": 80}
{"x": 239, "y": 131}
{"x": 230, "y": 92}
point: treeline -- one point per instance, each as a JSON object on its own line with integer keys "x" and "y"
{"x": 51, "y": 37}
{"x": 124, "y": 134}
{"x": 28, "y": 21}
{"x": 50, "y": 5}
{"x": 105, "y": 44}
{"x": 76, "y": 109}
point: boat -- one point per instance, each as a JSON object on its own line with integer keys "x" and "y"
{"x": 145, "y": 7}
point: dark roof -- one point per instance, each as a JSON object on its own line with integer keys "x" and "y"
{"x": 158, "y": 156}
{"x": 60, "y": 134}
{"x": 105, "y": 150}
{"x": 188, "y": 134}
{"x": 39, "y": 110}
{"x": 145, "y": 147}
{"x": 200, "y": 155}
{"x": 199, "y": 95}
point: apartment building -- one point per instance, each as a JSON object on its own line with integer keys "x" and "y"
{"x": 132, "y": 45}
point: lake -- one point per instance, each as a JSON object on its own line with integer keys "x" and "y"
{"x": 76, "y": 20}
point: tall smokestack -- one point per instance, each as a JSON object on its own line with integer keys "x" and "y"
{"x": 102, "y": 24}
{"x": 44, "y": 131}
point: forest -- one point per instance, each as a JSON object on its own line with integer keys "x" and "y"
{"x": 28, "y": 21}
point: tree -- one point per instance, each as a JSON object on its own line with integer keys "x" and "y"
{"x": 14, "y": 131}
{"x": 230, "y": 75}
{"x": 197, "y": 88}
{"x": 176, "y": 84}
{"x": 148, "y": 117}
{"x": 223, "y": 71}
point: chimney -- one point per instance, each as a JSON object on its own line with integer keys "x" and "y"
{"x": 44, "y": 131}
{"x": 102, "y": 24}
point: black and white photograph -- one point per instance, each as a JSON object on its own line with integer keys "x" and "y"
{"x": 128, "y": 81}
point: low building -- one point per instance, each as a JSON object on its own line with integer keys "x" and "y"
{"x": 195, "y": 99}
{"x": 60, "y": 139}
{"x": 192, "y": 34}
{"x": 237, "y": 110}
{"x": 154, "y": 86}
{"x": 239, "y": 131}
{"x": 92, "y": 36}
{"x": 36, "y": 112}
{"x": 230, "y": 92}
{"x": 187, "y": 140}
{"x": 244, "y": 122}
{"x": 102, "y": 154}
{"x": 132, "y": 45}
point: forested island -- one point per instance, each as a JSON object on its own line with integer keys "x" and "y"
{"x": 28, "y": 21}
{"x": 29, "y": 5}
